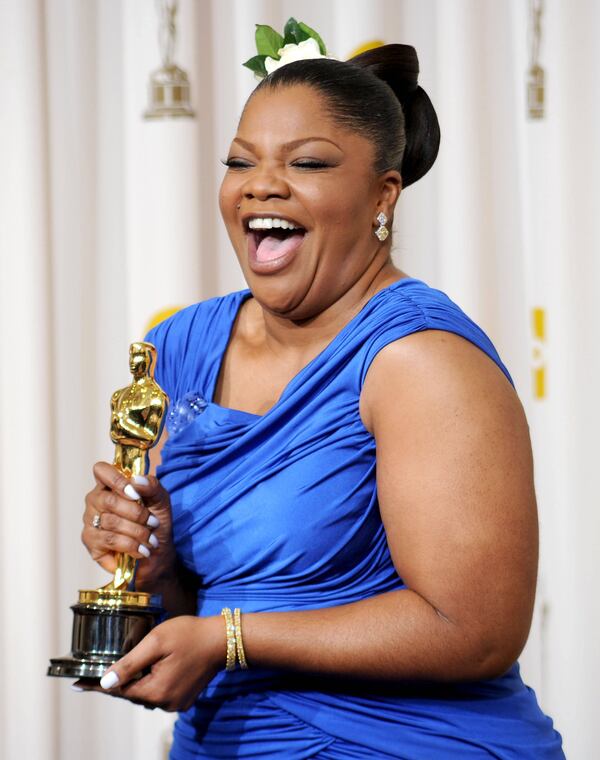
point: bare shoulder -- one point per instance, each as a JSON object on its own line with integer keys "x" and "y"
{"x": 436, "y": 371}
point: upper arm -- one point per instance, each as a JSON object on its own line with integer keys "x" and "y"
{"x": 455, "y": 484}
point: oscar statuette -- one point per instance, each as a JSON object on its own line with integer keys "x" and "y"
{"x": 111, "y": 620}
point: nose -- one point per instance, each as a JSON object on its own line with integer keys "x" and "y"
{"x": 265, "y": 182}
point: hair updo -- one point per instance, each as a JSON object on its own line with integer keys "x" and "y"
{"x": 376, "y": 95}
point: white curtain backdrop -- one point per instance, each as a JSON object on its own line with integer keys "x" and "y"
{"x": 106, "y": 219}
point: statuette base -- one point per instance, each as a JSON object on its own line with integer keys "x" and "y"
{"x": 107, "y": 624}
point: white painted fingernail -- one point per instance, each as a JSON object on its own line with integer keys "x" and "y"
{"x": 131, "y": 493}
{"x": 153, "y": 522}
{"x": 109, "y": 680}
{"x": 140, "y": 480}
{"x": 76, "y": 688}
{"x": 153, "y": 541}
{"x": 143, "y": 550}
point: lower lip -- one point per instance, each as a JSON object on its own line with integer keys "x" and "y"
{"x": 274, "y": 265}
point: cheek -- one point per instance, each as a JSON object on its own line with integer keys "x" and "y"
{"x": 344, "y": 208}
{"x": 228, "y": 193}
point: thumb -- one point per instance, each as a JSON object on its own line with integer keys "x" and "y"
{"x": 151, "y": 491}
{"x": 133, "y": 663}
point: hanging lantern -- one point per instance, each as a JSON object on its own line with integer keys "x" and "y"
{"x": 169, "y": 87}
{"x": 535, "y": 74}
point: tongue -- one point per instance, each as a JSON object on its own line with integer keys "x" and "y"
{"x": 271, "y": 247}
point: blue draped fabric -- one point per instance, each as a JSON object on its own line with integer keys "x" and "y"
{"x": 279, "y": 512}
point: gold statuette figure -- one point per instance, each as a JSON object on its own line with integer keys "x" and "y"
{"x": 137, "y": 417}
{"x": 110, "y": 621}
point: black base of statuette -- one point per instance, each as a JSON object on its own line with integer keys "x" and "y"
{"x": 101, "y": 636}
{"x": 73, "y": 667}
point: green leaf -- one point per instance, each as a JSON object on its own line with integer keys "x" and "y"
{"x": 293, "y": 33}
{"x": 268, "y": 41}
{"x": 315, "y": 35}
{"x": 257, "y": 65}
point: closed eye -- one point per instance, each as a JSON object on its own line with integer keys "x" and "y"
{"x": 311, "y": 163}
{"x": 302, "y": 163}
{"x": 236, "y": 163}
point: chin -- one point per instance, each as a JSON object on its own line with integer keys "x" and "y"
{"x": 284, "y": 296}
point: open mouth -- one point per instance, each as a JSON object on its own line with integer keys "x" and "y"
{"x": 273, "y": 238}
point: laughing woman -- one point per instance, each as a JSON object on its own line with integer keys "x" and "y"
{"x": 347, "y": 463}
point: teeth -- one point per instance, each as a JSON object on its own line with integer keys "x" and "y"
{"x": 260, "y": 223}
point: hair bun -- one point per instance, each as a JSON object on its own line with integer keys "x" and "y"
{"x": 398, "y": 67}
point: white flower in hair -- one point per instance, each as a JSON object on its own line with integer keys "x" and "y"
{"x": 297, "y": 43}
{"x": 302, "y": 51}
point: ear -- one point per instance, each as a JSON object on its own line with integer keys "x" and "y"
{"x": 390, "y": 187}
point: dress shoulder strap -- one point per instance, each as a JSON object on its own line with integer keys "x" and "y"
{"x": 410, "y": 305}
{"x": 191, "y": 342}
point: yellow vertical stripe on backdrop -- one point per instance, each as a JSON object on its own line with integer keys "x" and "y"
{"x": 538, "y": 324}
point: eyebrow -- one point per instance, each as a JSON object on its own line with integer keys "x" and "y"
{"x": 287, "y": 147}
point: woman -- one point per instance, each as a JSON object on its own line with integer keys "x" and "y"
{"x": 347, "y": 462}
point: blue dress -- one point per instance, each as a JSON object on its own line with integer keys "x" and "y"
{"x": 279, "y": 512}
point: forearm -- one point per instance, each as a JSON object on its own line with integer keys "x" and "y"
{"x": 396, "y": 635}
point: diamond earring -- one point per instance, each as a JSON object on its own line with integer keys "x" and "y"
{"x": 382, "y": 231}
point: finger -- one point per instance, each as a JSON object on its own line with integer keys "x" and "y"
{"x": 112, "y": 533}
{"x": 125, "y": 670}
{"x": 111, "y": 522}
{"x": 107, "y": 562}
{"x": 154, "y": 496}
{"x": 92, "y": 500}
{"x": 103, "y": 545}
{"x": 111, "y": 477}
{"x": 84, "y": 684}
{"x": 150, "y": 489}
{"x": 100, "y": 542}
{"x": 110, "y": 501}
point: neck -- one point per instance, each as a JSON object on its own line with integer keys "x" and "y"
{"x": 297, "y": 337}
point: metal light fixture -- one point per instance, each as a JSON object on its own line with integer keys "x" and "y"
{"x": 535, "y": 74}
{"x": 169, "y": 87}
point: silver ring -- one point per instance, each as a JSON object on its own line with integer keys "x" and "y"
{"x": 96, "y": 521}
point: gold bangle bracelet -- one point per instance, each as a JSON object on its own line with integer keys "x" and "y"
{"x": 238, "y": 638}
{"x": 230, "y": 632}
